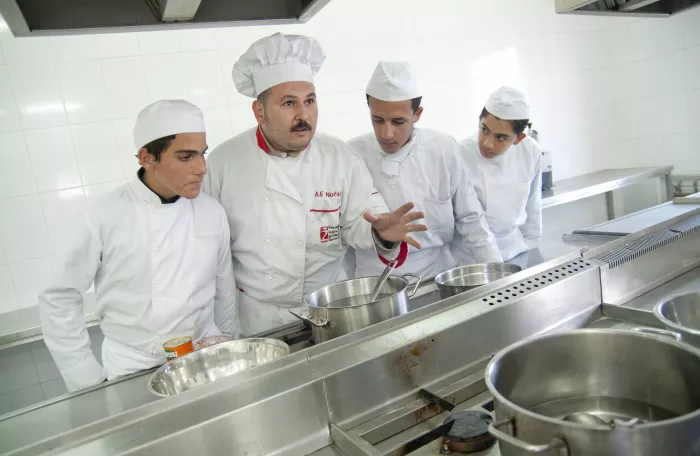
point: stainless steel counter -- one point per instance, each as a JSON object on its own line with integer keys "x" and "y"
{"x": 640, "y": 220}
{"x": 360, "y": 393}
{"x": 605, "y": 181}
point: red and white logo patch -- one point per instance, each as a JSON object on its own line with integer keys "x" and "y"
{"x": 330, "y": 233}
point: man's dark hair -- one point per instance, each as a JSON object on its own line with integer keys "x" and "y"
{"x": 519, "y": 126}
{"x": 415, "y": 103}
{"x": 157, "y": 146}
{"x": 262, "y": 96}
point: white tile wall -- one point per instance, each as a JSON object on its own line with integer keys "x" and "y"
{"x": 9, "y": 119}
{"x": 23, "y": 229}
{"x": 656, "y": 75}
{"x": 28, "y": 277}
{"x": 16, "y": 177}
{"x": 97, "y": 152}
{"x": 600, "y": 88}
{"x": 84, "y": 92}
{"x": 8, "y": 301}
{"x": 53, "y": 158}
{"x": 60, "y": 210}
{"x": 38, "y": 95}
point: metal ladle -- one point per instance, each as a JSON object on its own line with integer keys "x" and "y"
{"x": 382, "y": 280}
{"x": 585, "y": 418}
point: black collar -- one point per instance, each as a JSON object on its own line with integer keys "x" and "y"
{"x": 141, "y": 173}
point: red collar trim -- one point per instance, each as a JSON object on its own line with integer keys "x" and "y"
{"x": 261, "y": 141}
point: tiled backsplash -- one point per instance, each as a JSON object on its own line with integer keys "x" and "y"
{"x": 67, "y": 104}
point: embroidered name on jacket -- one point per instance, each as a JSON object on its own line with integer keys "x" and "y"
{"x": 323, "y": 194}
{"x": 330, "y": 233}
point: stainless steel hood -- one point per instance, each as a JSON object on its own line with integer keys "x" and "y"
{"x": 626, "y": 8}
{"x": 69, "y": 17}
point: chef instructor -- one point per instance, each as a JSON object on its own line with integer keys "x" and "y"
{"x": 157, "y": 252}
{"x": 295, "y": 199}
{"x": 506, "y": 168}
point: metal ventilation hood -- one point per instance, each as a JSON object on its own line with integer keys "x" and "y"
{"x": 70, "y": 17}
{"x": 627, "y": 8}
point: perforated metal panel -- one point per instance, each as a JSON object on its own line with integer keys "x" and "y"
{"x": 533, "y": 284}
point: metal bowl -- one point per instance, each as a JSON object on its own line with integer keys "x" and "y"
{"x": 465, "y": 278}
{"x": 681, "y": 315}
{"x": 209, "y": 364}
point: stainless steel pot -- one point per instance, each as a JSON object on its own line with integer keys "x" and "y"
{"x": 644, "y": 388}
{"x": 681, "y": 316}
{"x": 344, "y": 307}
{"x": 212, "y": 363}
{"x": 465, "y": 278}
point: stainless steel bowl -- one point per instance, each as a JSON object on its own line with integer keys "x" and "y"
{"x": 209, "y": 364}
{"x": 681, "y": 316}
{"x": 465, "y": 278}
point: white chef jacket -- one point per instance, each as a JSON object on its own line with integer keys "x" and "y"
{"x": 429, "y": 171}
{"x": 160, "y": 271}
{"x": 510, "y": 190}
{"x": 290, "y": 223}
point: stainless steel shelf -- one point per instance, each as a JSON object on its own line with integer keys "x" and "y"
{"x": 607, "y": 180}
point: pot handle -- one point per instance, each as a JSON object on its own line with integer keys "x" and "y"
{"x": 509, "y": 438}
{"x": 415, "y": 287}
{"x": 312, "y": 321}
{"x": 660, "y": 332}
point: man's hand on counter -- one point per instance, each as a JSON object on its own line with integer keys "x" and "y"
{"x": 394, "y": 227}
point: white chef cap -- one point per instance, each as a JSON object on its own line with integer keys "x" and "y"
{"x": 277, "y": 59}
{"x": 508, "y": 103}
{"x": 394, "y": 81}
{"x": 165, "y": 118}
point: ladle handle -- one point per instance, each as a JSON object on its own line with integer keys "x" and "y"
{"x": 387, "y": 272}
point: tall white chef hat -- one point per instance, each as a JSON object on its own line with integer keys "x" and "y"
{"x": 508, "y": 103}
{"x": 277, "y": 59}
{"x": 394, "y": 81}
{"x": 165, "y": 118}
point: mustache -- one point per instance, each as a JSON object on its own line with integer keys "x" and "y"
{"x": 301, "y": 126}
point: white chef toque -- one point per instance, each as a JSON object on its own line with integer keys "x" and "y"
{"x": 165, "y": 118}
{"x": 277, "y": 59}
{"x": 394, "y": 81}
{"x": 508, "y": 103}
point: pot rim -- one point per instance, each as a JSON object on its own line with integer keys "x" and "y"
{"x": 391, "y": 277}
{"x": 568, "y": 424}
{"x": 441, "y": 283}
{"x": 657, "y": 312}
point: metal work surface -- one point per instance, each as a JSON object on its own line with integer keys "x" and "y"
{"x": 607, "y": 180}
{"x": 366, "y": 393}
{"x": 344, "y": 380}
{"x": 637, "y": 221}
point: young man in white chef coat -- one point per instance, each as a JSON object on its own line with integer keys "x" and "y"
{"x": 295, "y": 199}
{"x": 157, "y": 251}
{"x": 506, "y": 167}
{"x": 423, "y": 166}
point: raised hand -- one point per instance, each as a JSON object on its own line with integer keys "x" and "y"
{"x": 396, "y": 226}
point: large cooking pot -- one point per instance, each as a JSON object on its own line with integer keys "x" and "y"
{"x": 644, "y": 390}
{"x": 465, "y": 278}
{"x": 681, "y": 316}
{"x": 345, "y": 307}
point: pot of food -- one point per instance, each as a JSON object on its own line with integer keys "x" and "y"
{"x": 596, "y": 392}
{"x": 465, "y": 278}
{"x": 681, "y": 316}
{"x": 211, "y": 363}
{"x": 345, "y": 307}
